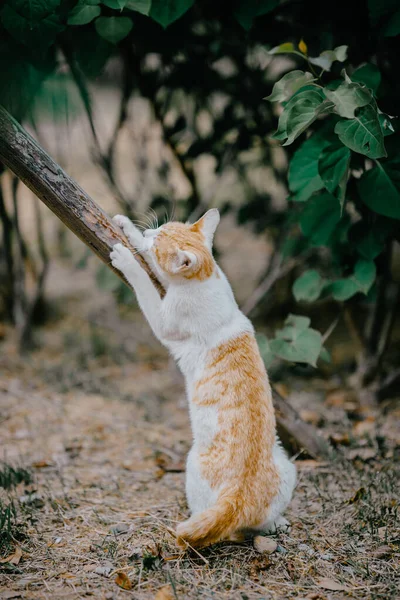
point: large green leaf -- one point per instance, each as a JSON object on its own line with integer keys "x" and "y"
{"x": 320, "y": 217}
{"x": 365, "y": 274}
{"x": 361, "y": 281}
{"x": 363, "y": 134}
{"x": 369, "y": 237}
{"x": 343, "y": 289}
{"x": 141, "y": 6}
{"x": 166, "y": 12}
{"x": 247, "y": 10}
{"x": 303, "y": 175}
{"x": 83, "y": 14}
{"x": 333, "y": 168}
{"x": 379, "y": 188}
{"x": 328, "y": 57}
{"x": 289, "y": 84}
{"x": 35, "y": 23}
{"x": 308, "y": 286}
{"x": 369, "y": 75}
{"x": 113, "y": 29}
{"x": 302, "y": 110}
{"x": 348, "y": 97}
{"x": 297, "y": 342}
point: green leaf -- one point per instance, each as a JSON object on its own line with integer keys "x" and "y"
{"x": 392, "y": 27}
{"x": 326, "y": 58}
{"x": 247, "y": 10}
{"x": 379, "y": 188}
{"x": 348, "y": 97}
{"x": 361, "y": 281}
{"x": 343, "y": 289}
{"x": 308, "y": 286}
{"x": 369, "y": 75}
{"x": 82, "y": 15}
{"x": 303, "y": 175}
{"x": 369, "y": 238}
{"x": 297, "y": 342}
{"x": 141, "y": 6}
{"x": 265, "y": 349}
{"x": 35, "y": 23}
{"x": 324, "y": 355}
{"x": 302, "y": 110}
{"x": 286, "y": 48}
{"x": 320, "y": 217}
{"x": 365, "y": 274}
{"x": 333, "y": 168}
{"x": 363, "y": 134}
{"x": 289, "y": 84}
{"x": 386, "y": 124}
{"x": 113, "y": 29}
{"x": 166, "y": 12}
{"x": 115, "y": 4}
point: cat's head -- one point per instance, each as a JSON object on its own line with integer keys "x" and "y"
{"x": 183, "y": 250}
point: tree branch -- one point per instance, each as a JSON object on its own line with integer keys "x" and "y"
{"x": 24, "y": 157}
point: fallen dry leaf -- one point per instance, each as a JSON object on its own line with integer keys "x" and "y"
{"x": 331, "y": 584}
{"x": 339, "y": 398}
{"x": 264, "y": 545}
{"x": 363, "y": 427}
{"x": 383, "y": 552}
{"x": 13, "y": 558}
{"x": 340, "y": 439}
{"x": 311, "y": 416}
{"x": 165, "y": 593}
{"x": 123, "y": 581}
{"x": 362, "y": 453}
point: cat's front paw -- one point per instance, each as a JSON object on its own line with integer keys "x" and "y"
{"x": 122, "y": 258}
{"x": 133, "y": 234}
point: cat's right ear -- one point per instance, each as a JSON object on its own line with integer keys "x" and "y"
{"x": 184, "y": 261}
{"x": 207, "y": 224}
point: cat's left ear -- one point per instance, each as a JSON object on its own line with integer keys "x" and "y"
{"x": 207, "y": 224}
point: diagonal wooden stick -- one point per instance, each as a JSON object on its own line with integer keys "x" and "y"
{"x": 41, "y": 174}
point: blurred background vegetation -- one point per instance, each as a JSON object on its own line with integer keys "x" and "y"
{"x": 159, "y": 105}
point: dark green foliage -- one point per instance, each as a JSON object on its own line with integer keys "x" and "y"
{"x": 338, "y": 115}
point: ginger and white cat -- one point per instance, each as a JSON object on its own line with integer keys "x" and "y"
{"x": 238, "y": 478}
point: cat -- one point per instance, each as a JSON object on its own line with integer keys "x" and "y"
{"x": 239, "y": 479}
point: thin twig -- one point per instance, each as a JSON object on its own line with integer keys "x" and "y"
{"x": 275, "y": 271}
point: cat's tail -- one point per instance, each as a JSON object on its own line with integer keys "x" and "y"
{"x": 212, "y": 525}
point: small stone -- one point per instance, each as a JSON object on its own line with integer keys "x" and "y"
{"x": 264, "y": 545}
{"x": 104, "y": 570}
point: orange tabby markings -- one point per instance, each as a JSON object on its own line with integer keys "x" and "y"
{"x": 240, "y": 458}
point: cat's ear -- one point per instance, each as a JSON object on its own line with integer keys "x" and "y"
{"x": 184, "y": 261}
{"x": 207, "y": 224}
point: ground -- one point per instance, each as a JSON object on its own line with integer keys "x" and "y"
{"x": 96, "y": 415}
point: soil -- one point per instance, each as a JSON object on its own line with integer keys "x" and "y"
{"x": 97, "y": 414}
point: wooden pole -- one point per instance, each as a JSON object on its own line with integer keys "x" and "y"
{"x": 30, "y": 163}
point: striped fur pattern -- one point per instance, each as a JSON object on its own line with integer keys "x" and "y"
{"x": 238, "y": 478}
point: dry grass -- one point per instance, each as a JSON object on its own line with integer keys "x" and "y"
{"x": 97, "y": 415}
